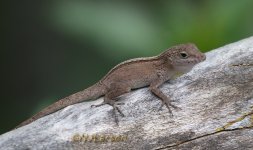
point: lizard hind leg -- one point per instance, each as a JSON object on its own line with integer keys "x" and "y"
{"x": 109, "y": 99}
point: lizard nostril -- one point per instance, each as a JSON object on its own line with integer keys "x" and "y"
{"x": 199, "y": 58}
{"x": 203, "y": 57}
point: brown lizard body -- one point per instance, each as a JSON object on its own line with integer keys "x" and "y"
{"x": 132, "y": 74}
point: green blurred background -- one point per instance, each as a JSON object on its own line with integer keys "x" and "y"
{"x": 51, "y": 49}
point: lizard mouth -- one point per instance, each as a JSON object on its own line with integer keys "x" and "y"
{"x": 201, "y": 57}
{"x": 192, "y": 61}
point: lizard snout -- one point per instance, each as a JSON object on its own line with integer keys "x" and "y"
{"x": 201, "y": 57}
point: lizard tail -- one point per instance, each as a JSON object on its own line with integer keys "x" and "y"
{"x": 93, "y": 92}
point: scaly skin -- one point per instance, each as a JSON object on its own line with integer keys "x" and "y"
{"x": 132, "y": 74}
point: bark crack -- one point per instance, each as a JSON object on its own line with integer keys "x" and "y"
{"x": 202, "y": 136}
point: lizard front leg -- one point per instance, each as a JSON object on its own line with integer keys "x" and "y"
{"x": 154, "y": 87}
{"x": 110, "y": 96}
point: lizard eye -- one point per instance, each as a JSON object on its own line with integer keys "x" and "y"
{"x": 183, "y": 54}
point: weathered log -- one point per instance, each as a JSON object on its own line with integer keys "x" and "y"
{"x": 216, "y": 101}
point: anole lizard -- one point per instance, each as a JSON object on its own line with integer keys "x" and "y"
{"x": 132, "y": 74}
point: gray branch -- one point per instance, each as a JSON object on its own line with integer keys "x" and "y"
{"x": 216, "y": 101}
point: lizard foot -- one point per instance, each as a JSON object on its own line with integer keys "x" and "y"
{"x": 168, "y": 105}
{"x": 115, "y": 110}
{"x": 103, "y": 103}
{"x": 98, "y": 105}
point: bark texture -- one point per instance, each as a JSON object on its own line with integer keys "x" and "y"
{"x": 216, "y": 99}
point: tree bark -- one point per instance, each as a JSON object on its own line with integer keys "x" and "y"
{"x": 216, "y": 101}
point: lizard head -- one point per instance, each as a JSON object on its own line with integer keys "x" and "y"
{"x": 184, "y": 57}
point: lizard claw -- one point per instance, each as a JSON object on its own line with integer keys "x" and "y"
{"x": 168, "y": 105}
{"x": 92, "y": 106}
{"x": 115, "y": 117}
{"x": 98, "y": 105}
{"x": 175, "y": 107}
{"x": 119, "y": 103}
{"x": 117, "y": 109}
